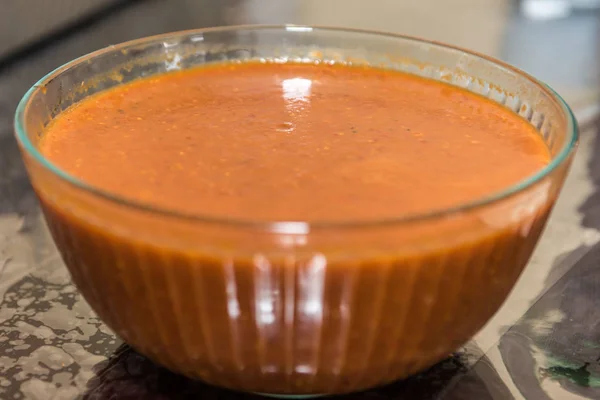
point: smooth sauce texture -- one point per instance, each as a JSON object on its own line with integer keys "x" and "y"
{"x": 294, "y": 142}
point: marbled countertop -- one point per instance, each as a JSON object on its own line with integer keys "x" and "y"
{"x": 543, "y": 344}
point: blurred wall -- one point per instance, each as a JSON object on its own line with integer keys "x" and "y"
{"x": 22, "y": 21}
{"x": 476, "y": 24}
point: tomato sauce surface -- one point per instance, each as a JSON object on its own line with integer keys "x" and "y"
{"x": 294, "y": 142}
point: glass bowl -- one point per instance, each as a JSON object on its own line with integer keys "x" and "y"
{"x": 294, "y": 307}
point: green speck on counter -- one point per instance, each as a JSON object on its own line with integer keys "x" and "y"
{"x": 591, "y": 345}
{"x": 577, "y": 375}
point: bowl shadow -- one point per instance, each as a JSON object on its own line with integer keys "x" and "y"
{"x": 129, "y": 375}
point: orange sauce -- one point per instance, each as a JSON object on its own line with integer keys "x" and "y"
{"x": 316, "y": 310}
{"x": 295, "y": 142}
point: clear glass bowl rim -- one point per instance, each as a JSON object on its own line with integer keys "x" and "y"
{"x": 273, "y": 225}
